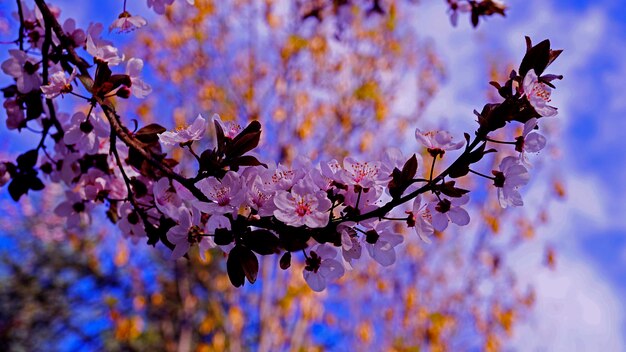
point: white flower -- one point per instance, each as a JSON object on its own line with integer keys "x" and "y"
{"x": 139, "y": 88}
{"x": 306, "y": 205}
{"x": 529, "y": 141}
{"x": 437, "y": 142}
{"x": 512, "y": 175}
{"x": 447, "y": 210}
{"x": 59, "y": 84}
{"x": 103, "y": 52}
{"x": 538, "y": 94}
{"x": 322, "y": 267}
{"x": 184, "y": 134}
{"x": 24, "y": 69}
{"x": 126, "y": 23}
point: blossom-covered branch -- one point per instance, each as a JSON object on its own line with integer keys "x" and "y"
{"x": 327, "y": 210}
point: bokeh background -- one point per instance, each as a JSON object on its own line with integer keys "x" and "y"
{"x": 96, "y": 290}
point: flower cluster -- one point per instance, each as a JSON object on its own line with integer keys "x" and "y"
{"x": 232, "y": 202}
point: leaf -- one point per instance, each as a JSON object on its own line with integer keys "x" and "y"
{"x": 285, "y": 261}
{"x": 242, "y": 145}
{"x": 250, "y": 264}
{"x": 242, "y": 263}
{"x": 221, "y": 139}
{"x": 410, "y": 168}
{"x": 17, "y": 188}
{"x": 234, "y": 269}
{"x": 149, "y": 134}
{"x": 27, "y": 160}
{"x": 537, "y": 58}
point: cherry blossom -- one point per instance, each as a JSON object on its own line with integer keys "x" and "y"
{"x": 185, "y": 233}
{"x": 421, "y": 219}
{"x": 350, "y": 245}
{"x": 449, "y": 210}
{"x": 58, "y": 84}
{"x": 457, "y": 7}
{"x": 139, "y": 88}
{"x": 130, "y": 222}
{"x": 437, "y": 142}
{"x": 306, "y": 205}
{"x": 511, "y": 176}
{"x": 227, "y": 194}
{"x": 126, "y": 22}
{"x": 185, "y": 134}
{"x": 86, "y": 132}
{"x": 165, "y": 197}
{"x": 380, "y": 243}
{"x": 538, "y": 94}
{"x": 363, "y": 174}
{"x": 75, "y": 209}
{"x": 24, "y": 69}
{"x": 16, "y": 119}
{"x": 159, "y": 5}
{"x": 103, "y": 52}
{"x": 322, "y": 267}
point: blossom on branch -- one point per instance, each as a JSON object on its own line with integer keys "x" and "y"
{"x": 24, "y": 69}
{"x": 59, "y": 84}
{"x": 185, "y": 134}
{"x": 538, "y": 94}
{"x": 306, "y": 205}
{"x": 509, "y": 179}
{"x": 437, "y": 142}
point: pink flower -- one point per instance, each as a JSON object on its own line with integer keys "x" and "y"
{"x": 165, "y": 197}
{"x": 126, "y": 23}
{"x": 185, "y": 233}
{"x": 350, "y": 245}
{"x": 59, "y": 84}
{"x": 230, "y": 128}
{"x": 226, "y": 194}
{"x": 4, "y": 174}
{"x": 75, "y": 209}
{"x": 447, "y": 210}
{"x": 380, "y": 243}
{"x": 159, "y": 5}
{"x": 437, "y": 142}
{"x": 364, "y": 174}
{"x": 511, "y": 176}
{"x": 24, "y": 69}
{"x": 185, "y": 134}
{"x": 139, "y": 88}
{"x": 538, "y": 94}
{"x": 259, "y": 197}
{"x": 306, "y": 205}
{"x": 85, "y": 133}
{"x": 423, "y": 219}
{"x": 15, "y": 114}
{"x": 103, "y": 52}
{"x": 322, "y": 267}
{"x": 130, "y": 222}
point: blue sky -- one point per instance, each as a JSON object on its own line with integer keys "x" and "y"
{"x": 580, "y": 305}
